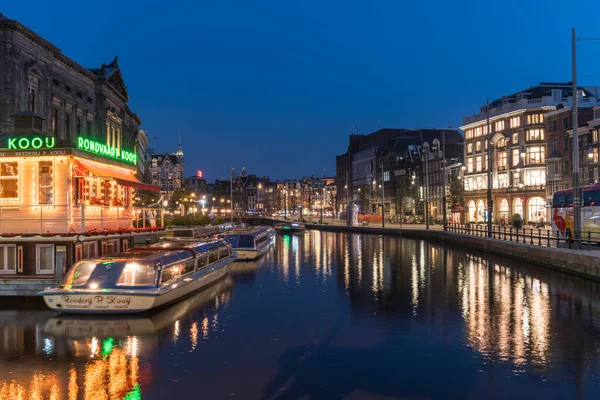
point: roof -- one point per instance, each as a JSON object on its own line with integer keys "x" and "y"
{"x": 539, "y": 91}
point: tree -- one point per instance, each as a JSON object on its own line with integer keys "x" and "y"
{"x": 364, "y": 196}
{"x": 457, "y": 191}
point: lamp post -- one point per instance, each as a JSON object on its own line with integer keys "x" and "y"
{"x": 231, "y": 191}
{"x": 490, "y": 201}
{"x": 426, "y": 151}
{"x": 382, "y": 197}
{"x": 444, "y": 212}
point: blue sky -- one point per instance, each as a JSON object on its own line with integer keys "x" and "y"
{"x": 277, "y": 86}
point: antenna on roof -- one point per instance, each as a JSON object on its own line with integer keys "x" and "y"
{"x": 180, "y": 137}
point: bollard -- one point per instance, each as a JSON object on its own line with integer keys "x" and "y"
{"x": 548, "y": 234}
{"x": 510, "y": 233}
{"x": 539, "y": 237}
{"x": 517, "y": 235}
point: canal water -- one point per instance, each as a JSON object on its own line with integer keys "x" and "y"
{"x": 326, "y": 316}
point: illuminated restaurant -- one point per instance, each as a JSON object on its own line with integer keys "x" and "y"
{"x": 61, "y": 201}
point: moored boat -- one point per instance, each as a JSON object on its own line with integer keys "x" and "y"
{"x": 249, "y": 244}
{"x": 142, "y": 279}
{"x": 292, "y": 227}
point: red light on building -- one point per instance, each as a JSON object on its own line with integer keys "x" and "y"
{"x": 199, "y": 174}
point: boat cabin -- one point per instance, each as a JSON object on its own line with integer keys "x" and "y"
{"x": 148, "y": 267}
{"x": 246, "y": 239}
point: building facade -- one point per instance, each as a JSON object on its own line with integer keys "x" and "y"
{"x": 517, "y": 134}
{"x": 167, "y": 171}
{"x": 68, "y": 160}
{"x": 367, "y": 169}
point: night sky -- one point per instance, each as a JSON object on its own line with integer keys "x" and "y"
{"x": 277, "y": 86}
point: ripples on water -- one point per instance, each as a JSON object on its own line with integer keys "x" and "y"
{"x": 323, "y": 316}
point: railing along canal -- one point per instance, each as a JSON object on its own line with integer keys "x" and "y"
{"x": 533, "y": 236}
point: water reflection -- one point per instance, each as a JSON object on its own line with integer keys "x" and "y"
{"x": 325, "y": 315}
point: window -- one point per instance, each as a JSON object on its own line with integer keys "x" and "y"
{"x": 535, "y": 155}
{"x": 135, "y": 274}
{"x": 470, "y": 164}
{"x": 566, "y": 123}
{"x": 31, "y": 101}
{"x": 78, "y": 126}
{"x": 202, "y": 261}
{"x": 503, "y": 180}
{"x": 68, "y": 125}
{"x": 595, "y": 136}
{"x": 515, "y": 157}
{"x": 478, "y": 165}
{"x": 8, "y": 258}
{"x": 386, "y": 176}
{"x": 112, "y": 247}
{"x": 515, "y": 138}
{"x": 55, "y": 121}
{"x": 515, "y": 122}
{"x": 566, "y": 143}
{"x": 535, "y": 134}
{"x": 213, "y": 256}
{"x": 9, "y": 180}
{"x": 90, "y": 249}
{"x": 536, "y": 177}
{"x": 554, "y": 150}
{"x": 45, "y": 182}
{"x": 502, "y": 159}
{"x": 478, "y": 147}
{"x": 89, "y": 128}
{"x": 595, "y": 159}
{"x": 44, "y": 258}
{"x": 553, "y": 125}
{"x": 499, "y": 126}
{"x": 469, "y": 133}
{"x": 535, "y": 119}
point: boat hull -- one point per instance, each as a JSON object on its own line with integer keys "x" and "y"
{"x": 123, "y": 302}
{"x": 244, "y": 254}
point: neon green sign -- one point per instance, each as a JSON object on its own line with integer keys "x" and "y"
{"x": 28, "y": 143}
{"x": 105, "y": 150}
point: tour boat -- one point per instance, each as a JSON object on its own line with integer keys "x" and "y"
{"x": 142, "y": 279}
{"x": 147, "y": 324}
{"x": 293, "y": 227}
{"x": 249, "y": 244}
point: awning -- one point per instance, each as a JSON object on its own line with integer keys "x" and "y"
{"x": 122, "y": 176}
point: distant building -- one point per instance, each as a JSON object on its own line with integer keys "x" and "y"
{"x": 518, "y": 133}
{"x": 369, "y": 163}
{"x": 167, "y": 171}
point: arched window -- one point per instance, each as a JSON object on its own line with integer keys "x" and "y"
{"x": 536, "y": 210}
{"x": 504, "y": 209}
{"x": 472, "y": 211}
{"x": 480, "y": 211}
{"x": 518, "y": 207}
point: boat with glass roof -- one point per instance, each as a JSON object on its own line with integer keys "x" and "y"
{"x": 251, "y": 243}
{"x": 141, "y": 279}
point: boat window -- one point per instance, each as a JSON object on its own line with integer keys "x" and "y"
{"x": 246, "y": 241}
{"x": 171, "y": 274}
{"x": 135, "y": 274}
{"x": 189, "y": 267}
{"x": 223, "y": 252}
{"x": 213, "y": 256}
{"x": 79, "y": 274}
{"x": 202, "y": 261}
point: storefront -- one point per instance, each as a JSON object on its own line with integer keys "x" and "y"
{"x": 60, "y": 203}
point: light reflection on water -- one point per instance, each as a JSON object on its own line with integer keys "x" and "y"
{"x": 326, "y": 315}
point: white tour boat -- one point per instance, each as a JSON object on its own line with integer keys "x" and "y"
{"x": 249, "y": 244}
{"x": 141, "y": 279}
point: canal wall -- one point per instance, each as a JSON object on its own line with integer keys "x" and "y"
{"x": 578, "y": 262}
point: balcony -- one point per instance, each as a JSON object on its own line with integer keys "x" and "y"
{"x": 67, "y": 220}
